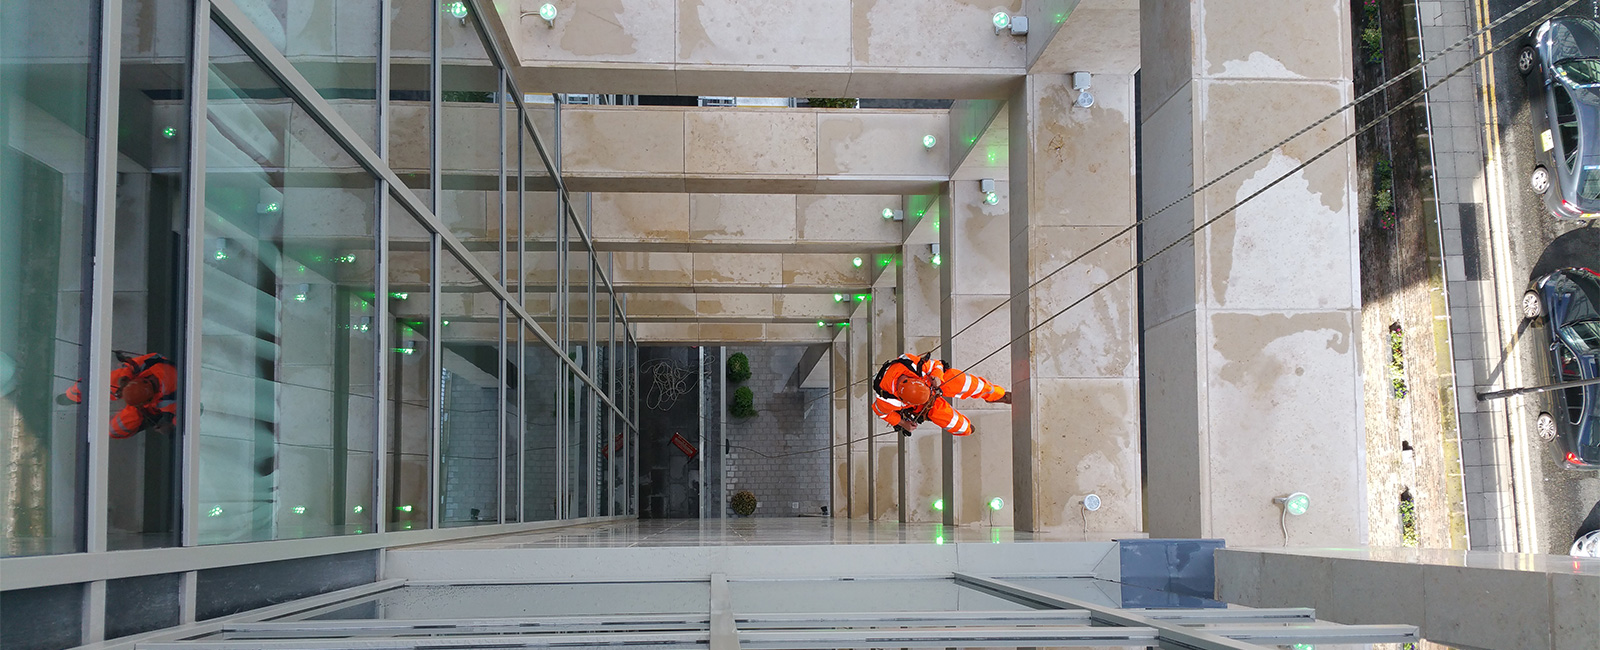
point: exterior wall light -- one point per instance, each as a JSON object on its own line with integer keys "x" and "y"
{"x": 893, "y": 214}
{"x": 1018, "y": 25}
{"x": 548, "y": 13}
{"x": 838, "y": 297}
{"x": 821, "y": 324}
{"x": 937, "y": 258}
{"x": 997, "y": 503}
{"x": 938, "y": 504}
{"x": 457, "y": 9}
{"x": 928, "y": 141}
{"x": 170, "y": 133}
{"x": 1091, "y": 502}
{"x": 990, "y": 196}
{"x": 1295, "y": 504}
{"x": 1080, "y": 83}
{"x": 856, "y": 262}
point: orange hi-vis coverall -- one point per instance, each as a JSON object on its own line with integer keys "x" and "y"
{"x": 947, "y": 383}
{"x": 160, "y": 379}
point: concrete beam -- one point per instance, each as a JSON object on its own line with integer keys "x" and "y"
{"x": 752, "y": 150}
{"x": 752, "y": 223}
{"x": 938, "y": 49}
{"x": 732, "y": 333}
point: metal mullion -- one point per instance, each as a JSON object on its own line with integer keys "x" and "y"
{"x": 194, "y": 305}
{"x": 495, "y": 641}
{"x": 500, "y": 414}
{"x": 615, "y": 412}
{"x": 380, "y": 448}
{"x": 522, "y": 424}
{"x": 101, "y": 211}
{"x": 505, "y": 277}
{"x": 563, "y": 385}
{"x": 593, "y": 361}
{"x": 497, "y": 56}
{"x": 435, "y": 384}
{"x": 1167, "y": 631}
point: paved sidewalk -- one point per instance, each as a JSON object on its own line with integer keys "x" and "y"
{"x": 1456, "y": 117}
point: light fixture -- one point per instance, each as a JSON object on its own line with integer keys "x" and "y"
{"x": 838, "y": 297}
{"x": 928, "y": 141}
{"x": 856, "y": 262}
{"x": 548, "y": 13}
{"x": 891, "y": 213}
{"x": 219, "y": 249}
{"x": 1080, "y": 83}
{"x": 357, "y": 509}
{"x": 216, "y": 511}
{"x": 399, "y": 295}
{"x": 862, "y": 297}
{"x": 1091, "y": 502}
{"x": 1295, "y": 504}
{"x": 997, "y": 503}
{"x": 1018, "y": 25}
{"x": 938, "y": 504}
{"x": 821, "y": 324}
{"x": 990, "y": 196}
{"x": 299, "y": 510}
{"x": 170, "y": 133}
{"x": 404, "y": 508}
{"x": 268, "y": 207}
{"x": 937, "y": 259}
{"x": 300, "y": 295}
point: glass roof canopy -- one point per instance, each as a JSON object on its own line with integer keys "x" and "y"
{"x": 720, "y": 613}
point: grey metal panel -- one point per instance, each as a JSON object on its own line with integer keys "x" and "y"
{"x": 380, "y": 450}
{"x": 724, "y": 634}
{"x": 193, "y": 308}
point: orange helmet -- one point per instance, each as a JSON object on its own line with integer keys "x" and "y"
{"x": 913, "y": 390}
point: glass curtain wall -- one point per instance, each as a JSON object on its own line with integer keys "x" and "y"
{"x": 47, "y": 68}
{"x": 292, "y": 272}
{"x": 289, "y": 347}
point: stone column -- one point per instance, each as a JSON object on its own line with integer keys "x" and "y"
{"x": 1252, "y": 377}
{"x": 920, "y": 299}
{"x": 979, "y": 235}
{"x": 1076, "y": 428}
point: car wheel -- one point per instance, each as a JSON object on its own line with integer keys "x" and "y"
{"x": 1526, "y": 59}
{"x": 1532, "y": 305}
{"x": 1546, "y": 427}
{"x": 1540, "y": 180}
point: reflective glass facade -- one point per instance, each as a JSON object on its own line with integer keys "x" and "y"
{"x": 290, "y": 270}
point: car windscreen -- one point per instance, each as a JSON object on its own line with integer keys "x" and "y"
{"x": 1582, "y": 76}
{"x": 1589, "y": 183}
{"x": 1583, "y": 336}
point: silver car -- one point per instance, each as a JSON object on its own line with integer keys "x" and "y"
{"x": 1561, "y": 63}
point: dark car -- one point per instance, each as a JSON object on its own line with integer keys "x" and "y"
{"x": 1568, "y": 301}
{"x": 1561, "y": 63}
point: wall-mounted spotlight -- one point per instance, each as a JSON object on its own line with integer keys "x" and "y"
{"x": 548, "y": 13}
{"x": 990, "y": 196}
{"x": 1018, "y": 25}
{"x": 856, "y": 262}
{"x": 928, "y": 141}
{"x": 937, "y": 259}
{"x": 1080, "y": 83}
{"x": 1295, "y": 504}
{"x": 457, "y": 10}
{"x": 301, "y": 293}
{"x": 838, "y": 297}
{"x": 897, "y": 215}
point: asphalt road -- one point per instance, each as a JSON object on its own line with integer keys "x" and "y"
{"x": 1559, "y": 498}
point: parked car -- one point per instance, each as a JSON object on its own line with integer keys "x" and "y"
{"x": 1586, "y": 542}
{"x": 1561, "y": 63}
{"x": 1568, "y": 303}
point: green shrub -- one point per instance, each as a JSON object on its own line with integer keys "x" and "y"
{"x": 738, "y": 367}
{"x": 832, "y": 102}
{"x": 743, "y": 405}
{"x": 744, "y": 503}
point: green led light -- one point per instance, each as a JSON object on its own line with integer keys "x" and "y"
{"x": 997, "y": 503}
{"x": 938, "y": 259}
{"x": 928, "y": 141}
{"x": 994, "y": 535}
{"x": 457, "y": 9}
{"x": 299, "y": 297}
{"x": 1002, "y": 20}
{"x": 838, "y": 297}
{"x": 888, "y": 213}
{"x": 821, "y": 324}
{"x": 991, "y": 198}
{"x": 547, "y": 12}
{"x": 221, "y": 255}
{"x": 356, "y": 509}
{"x": 861, "y": 297}
{"x": 886, "y": 261}
{"x": 404, "y": 508}
{"x": 1304, "y": 646}
{"x": 299, "y": 510}
{"x": 1297, "y": 504}
{"x": 446, "y": 323}
{"x": 408, "y": 525}
{"x": 406, "y": 350}
{"x": 399, "y": 295}
{"x": 216, "y": 511}
{"x": 169, "y": 133}
{"x": 856, "y": 262}
{"x": 938, "y": 504}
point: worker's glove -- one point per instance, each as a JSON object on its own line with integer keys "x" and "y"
{"x": 903, "y": 431}
{"x": 1004, "y": 399}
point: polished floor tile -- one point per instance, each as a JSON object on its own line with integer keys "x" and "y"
{"x": 752, "y": 532}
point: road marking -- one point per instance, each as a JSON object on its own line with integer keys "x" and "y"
{"x": 1494, "y": 177}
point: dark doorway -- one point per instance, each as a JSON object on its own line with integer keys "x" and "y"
{"x": 671, "y": 390}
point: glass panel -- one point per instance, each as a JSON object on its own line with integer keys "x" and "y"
{"x": 142, "y": 604}
{"x": 289, "y": 349}
{"x": 411, "y": 376}
{"x": 470, "y": 139}
{"x": 152, "y": 228}
{"x": 46, "y": 67}
{"x": 1112, "y": 594}
{"x": 579, "y": 471}
{"x": 541, "y": 261}
{"x": 541, "y": 371}
{"x": 602, "y": 376}
{"x": 44, "y": 617}
{"x": 507, "y": 601}
{"x": 802, "y": 596}
{"x": 410, "y": 80}
{"x": 511, "y": 494}
{"x": 334, "y": 45}
{"x": 470, "y": 421}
